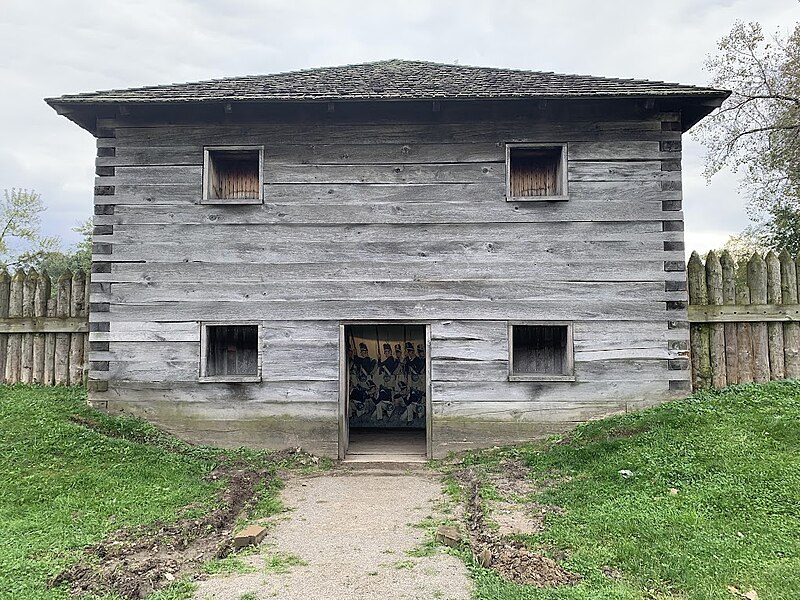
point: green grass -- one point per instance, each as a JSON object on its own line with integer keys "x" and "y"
{"x": 733, "y": 456}
{"x": 63, "y": 486}
{"x": 227, "y": 565}
{"x": 282, "y": 562}
{"x": 177, "y": 590}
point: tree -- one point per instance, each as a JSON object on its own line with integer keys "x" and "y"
{"x": 757, "y": 129}
{"x": 20, "y": 216}
{"x": 23, "y": 247}
{"x": 56, "y": 261}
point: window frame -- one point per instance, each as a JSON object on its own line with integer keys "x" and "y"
{"x": 511, "y": 146}
{"x": 569, "y": 375}
{"x": 207, "y": 158}
{"x": 203, "y": 378}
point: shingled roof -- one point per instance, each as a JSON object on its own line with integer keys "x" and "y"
{"x": 391, "y": 80}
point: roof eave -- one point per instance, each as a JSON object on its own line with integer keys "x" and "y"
{"x": 83, "y": 111}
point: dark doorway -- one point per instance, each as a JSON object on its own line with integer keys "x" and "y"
{"x": 386, "y": 376}
{"x": 385, "y": 389}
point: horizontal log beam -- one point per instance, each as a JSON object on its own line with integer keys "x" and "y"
{"x": 744, "y": 313}
{"x": 44, "y": 325}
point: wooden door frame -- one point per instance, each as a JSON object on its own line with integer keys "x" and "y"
{"x": 344, "y": 424}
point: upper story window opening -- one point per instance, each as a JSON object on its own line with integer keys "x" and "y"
{"x": 536, "y": 172}
{"x": 233, "y": 175}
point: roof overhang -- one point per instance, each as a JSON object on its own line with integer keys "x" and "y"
{"x": 85, "y": 113}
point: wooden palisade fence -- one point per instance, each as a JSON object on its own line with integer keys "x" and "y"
{"x": 43, "y": 328}
{"x": 744, "y": 319}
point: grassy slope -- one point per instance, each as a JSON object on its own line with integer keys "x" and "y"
{"x": 63, "y": 486}
{"x": 733, "y": 456}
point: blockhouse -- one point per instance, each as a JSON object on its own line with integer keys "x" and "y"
{"x": 486, "y": 255}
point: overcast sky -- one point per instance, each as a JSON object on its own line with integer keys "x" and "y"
{"x": 52, "y": 47}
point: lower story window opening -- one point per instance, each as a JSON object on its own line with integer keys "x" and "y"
{"x": 230, "y": 352}
{"x": 541, "y": 351}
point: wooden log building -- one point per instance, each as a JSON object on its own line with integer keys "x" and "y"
{"x": 481, "y": 256}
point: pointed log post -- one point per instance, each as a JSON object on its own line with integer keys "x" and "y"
{"x": 62, "y": 339}
{"x": 744, "y": 332}
{"x": 716, "y": 330}
{"x": 757, "y": 281}
{"x": 77, "y": 309}
{"x": 50, "y": 339}
{"x": 28, "y": 297}
{"x": 729, "y": 297}
{"x": 15, "y": 339}
{"x": 699, "y": 332}
{"x": 5, "y": 289}
{"x": 86, "y": 296}
{"x": 777, "y": 369}
{"x": 791, "y": 331}
{"x": 40, "y": 310}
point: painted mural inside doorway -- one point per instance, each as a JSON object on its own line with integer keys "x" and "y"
{"x": 386, "y": 375}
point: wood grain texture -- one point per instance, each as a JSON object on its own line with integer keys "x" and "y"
{"x": 77, "y": 310}
{"x": 731, "y": 338}
{"x": 775, "y": 339}
{"x": 751, "y": 312}
{"x": 63, "y": 294}
{"x": 50, "y": 343}
{"x": 743, "y": 330}
{"x": 391, "y": 310}
{"x": 716, "y": 330}
{"x": 401, "y": 133}
{"x": 700, "y": 341}
{"x": 14, "y": 353}
{"x": 326, "y": 153}
{"x": 387, "y": 222}
{"x": 757, "y": 282}
{"x": 5, "y": 290}
{"x": 233, "y": 424}
{"x": 457, "y": 209}
{"x": 791, "y": 331}
{"x": 430, "y": 269}
{"x": 320, "y": 290}
{"x": 28, "y": 309}
{"x": 42, "y": 295}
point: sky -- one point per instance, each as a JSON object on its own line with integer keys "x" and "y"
{"x": 53, "y": 47}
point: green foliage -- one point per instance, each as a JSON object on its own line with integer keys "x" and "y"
{"x": 757, "y": 127}
{"x": 23, "y": 247}
{"x": 56, "y": 262}
{"x": 733, "y": 459}
{"x": 781, "y": 229}
{"x": 64, "y": 486}
{"x": 20, "y": 218}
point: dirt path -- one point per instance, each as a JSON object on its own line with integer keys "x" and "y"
{"x": 352, "y": 531}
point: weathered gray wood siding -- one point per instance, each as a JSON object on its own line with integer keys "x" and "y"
{"x": 388, "y": 221}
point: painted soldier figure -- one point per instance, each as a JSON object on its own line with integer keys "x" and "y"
{"x": 412, "y": 364}
{"x": 388, "y": 364}
{"x": 365, "y": 363}
{"x": 384, "y": 406}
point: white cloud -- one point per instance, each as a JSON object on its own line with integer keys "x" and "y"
{"x": 51, "y": 47}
